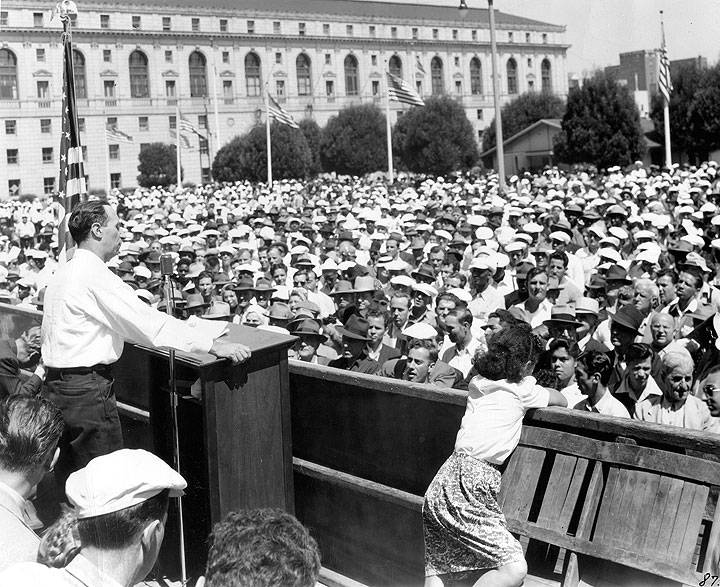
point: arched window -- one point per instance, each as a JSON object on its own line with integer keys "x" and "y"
{"x": 437, "y": 76}
{"x": 304, "y": 83}
{"x": 198, "y": 77}
{"x": 79, "y": 74}
{"x": 395, "y": 66}
{"x": 139, "y": 79}
{"x": 8, "y": 75}
{"x": 351, "y": 76}
{"x": 546, "y": 76}
{"x": 252, "y": 74}
{"x": 512, "y": 84}
{"x": 475, "y": 76}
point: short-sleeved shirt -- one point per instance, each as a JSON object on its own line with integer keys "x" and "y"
{"x": 490, "y": 428}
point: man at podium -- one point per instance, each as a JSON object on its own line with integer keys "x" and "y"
{"x": 89, "y": 314}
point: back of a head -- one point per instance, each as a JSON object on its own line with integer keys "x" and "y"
{"x": 30, "y": 429}
{"x": 511, "y": 351}
{"x": 261, "y": 548}
{"x": 83, "y": 216}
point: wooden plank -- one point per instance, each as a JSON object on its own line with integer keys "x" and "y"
{"x": 656, "y": 514}
{"x": 286, "y": 427}
{"x": 376, "y": 383}
{"x": 607, "y": 503}
{"x": 664, "y": 543}
{"x": 651, "y": 459}
{"x": 657, "y": 565}
{"x": 692, "y": 524}
{"x": 711, "y": 564}
{"x": 556, "y": 491}
{"x": 616, "y": 522}
{"x": 645, "y": 496}
{"x": 530, "y": 463}
{"x": 573, "y": 494}
{"x": 363, "y": 486}
{"x": 597, "y": 424}
{"x": 591, "y": 503}
{"x": 571, "y": 576}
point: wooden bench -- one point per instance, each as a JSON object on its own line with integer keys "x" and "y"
{"x": 582, "y": 491}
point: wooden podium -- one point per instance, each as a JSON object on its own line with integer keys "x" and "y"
{"x": 234, "y": 422}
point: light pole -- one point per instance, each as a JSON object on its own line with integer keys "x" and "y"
{"x": 499, "y": 150}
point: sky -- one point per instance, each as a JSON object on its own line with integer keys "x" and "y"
{"x": 598, "y": 30}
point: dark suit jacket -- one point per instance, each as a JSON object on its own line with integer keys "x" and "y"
{"x": 10, "y": 381}
{"x": 387, "y": 353}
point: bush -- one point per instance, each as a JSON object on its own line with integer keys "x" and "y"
{"x": 523, "y": 111}
{"x": 601, "y": 125}
{"x": 158, "y": 165}
{"x": 353, "y": 142}
{"x": 246, "y": 157}
{"x": 436, "y": 138}
{"x": 312, "y": 133}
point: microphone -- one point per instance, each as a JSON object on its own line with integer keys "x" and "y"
{"x": 166, "y": 264}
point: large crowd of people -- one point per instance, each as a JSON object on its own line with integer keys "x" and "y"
{"x": 598, "y": 291}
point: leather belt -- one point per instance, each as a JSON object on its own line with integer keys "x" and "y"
{"x": 100, "y": 368}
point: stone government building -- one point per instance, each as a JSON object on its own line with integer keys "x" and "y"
{"x": 135, "y": 64}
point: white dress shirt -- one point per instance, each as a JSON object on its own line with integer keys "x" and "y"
{"x": 90, "y": 312}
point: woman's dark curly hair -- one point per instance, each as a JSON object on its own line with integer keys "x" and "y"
{"x": 509, "y": 352}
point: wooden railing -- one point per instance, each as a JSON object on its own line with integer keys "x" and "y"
{"x": 609, "y": 496}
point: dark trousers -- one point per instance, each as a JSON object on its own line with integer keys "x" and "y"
{"x": 92, "y": 425}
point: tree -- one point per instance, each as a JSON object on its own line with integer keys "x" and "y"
{"x": 157, "y": 165}
{"x": 436, "y": 138}
{"x": 353, "y": 142}
{"x": 523, "y": 111}
{"x": 694, "y": 112}
{"x": 312, "y": 133}
{"x": 246, "y": 157}
{"x": 601, "y": 125}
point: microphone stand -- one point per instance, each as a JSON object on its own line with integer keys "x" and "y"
{"x": 166, "y": 270}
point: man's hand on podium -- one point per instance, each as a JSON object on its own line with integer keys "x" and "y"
{"x": 237, "y": 353}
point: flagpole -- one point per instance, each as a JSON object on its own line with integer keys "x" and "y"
{"x": 666, "y": 102}
{"x": 178, "y": 166}
{"x": 267, "y": 138}
{"x": 215, "y": 102}
{"x": 388, "y": 131}
{"x": 108, "y": 183}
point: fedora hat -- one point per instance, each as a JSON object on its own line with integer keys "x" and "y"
{"x": 628, "y": 317}
{"x": 356, "y": 328}
{"x": 342, "y": 287}
{"x": 424, "y": 271}
{"x": 264, "y": 284}
{"x": 364, "y": 283}
{"x": 617, "y": 273}
{"x": 280, "y": 311}
{"x": 218, "y": 311}
{"x": 195, "y": 301}
{"x": 587, "y": 306}
{"x": 563, "y": 315}
{"x": 244, "y": 284}
{"x": 306, "y": 327}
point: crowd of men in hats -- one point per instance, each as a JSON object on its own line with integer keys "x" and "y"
{"x": 618, "y": 272}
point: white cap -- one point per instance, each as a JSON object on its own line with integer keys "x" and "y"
{"x": 561, "y": 236}
{"x": 484, "y": 233}
{"x": 484, "y": 262}
{"x": 405, "y": 280}
{"x": 426, "y": 289}
{"x": 420, "y": 330}
{"x": 462, "y": 294}
{"x": 119, "y": 480}
{"x": 142, "y": 271}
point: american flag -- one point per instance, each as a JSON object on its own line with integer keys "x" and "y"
{"x": 113, "y": 133}
{"x": 664, "y": 79}
{"x": 71, "y": 183}
{"x": 187, "y": 126}
{"x": 400, "y": 91}
{"x": 185, "y": 143}
{"x": 276, "y": 111}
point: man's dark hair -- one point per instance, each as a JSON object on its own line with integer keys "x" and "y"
{"x": 638, "y": 351}
{"x": 83, "y": 216}
{"x": 504, "y": 316}
{"x": 671, "y": 273}
{"x": 202, "y": 275}
{"x": 534, "y": 272}
{"x": 461, "y": 276}
{"x": 596, "y": 362}
{"x": 463, "y": 315}
{"x": 449, "y": 297}
{"x": 559, "y": 256}
{"x": 424, "y": 343}
{"x": 30, "y": 429}
{"x": 562, "y": 343}
{"x": 261, "y": 548}
{"x": 377, "y": 311}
